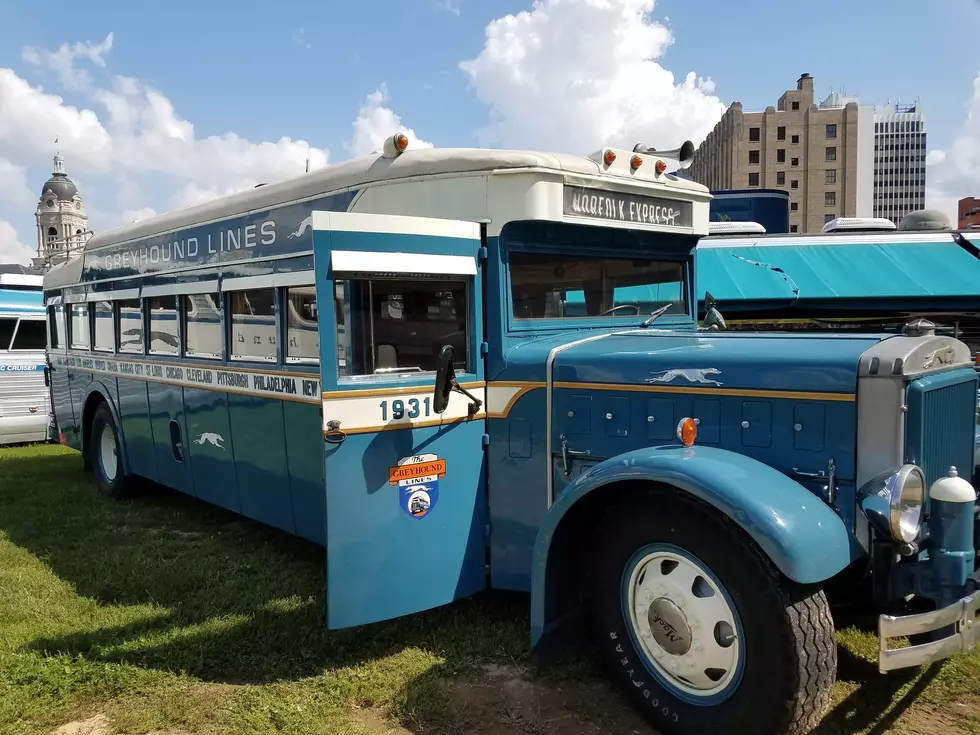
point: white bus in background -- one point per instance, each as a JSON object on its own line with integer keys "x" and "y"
{"x": 25, "y": 406}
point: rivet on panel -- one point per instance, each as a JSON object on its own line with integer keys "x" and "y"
{"x": 608, "y": 416}
{"x": 797, "y": 427}
{"x": 745, "y": 424}
{"x": 570, "y": 414}
{"x": 650, "y": 419}
{"x": 697, "y": 422}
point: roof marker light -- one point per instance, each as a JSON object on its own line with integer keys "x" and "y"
{"x": 609, "y": 157}
{"x": 636, "y": 162}
{"x": 661, "y": 167}
{"x": 395, "y": 145}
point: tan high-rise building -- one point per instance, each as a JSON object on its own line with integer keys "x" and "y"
{"x": 808, "y": 150}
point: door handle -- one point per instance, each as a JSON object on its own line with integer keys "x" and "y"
{"x": 333, "y": 433}
{"x": 566, "y": 453}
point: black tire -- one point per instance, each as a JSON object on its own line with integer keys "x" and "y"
{"x": 119, "y": 484}
{"x": 788, "y": 648}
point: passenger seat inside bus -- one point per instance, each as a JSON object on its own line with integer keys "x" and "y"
{"x": 385, "y": 356}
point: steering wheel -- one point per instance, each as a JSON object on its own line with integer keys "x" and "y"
{"x": 636, "y": 307}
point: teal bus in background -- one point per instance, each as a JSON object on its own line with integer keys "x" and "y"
{"x": 25, "y": 411}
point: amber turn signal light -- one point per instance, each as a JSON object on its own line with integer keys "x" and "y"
{"x": 401, "y": 142}
{"x": 687, "y": 431}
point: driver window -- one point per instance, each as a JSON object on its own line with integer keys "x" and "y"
{"x": 397, "y": 327}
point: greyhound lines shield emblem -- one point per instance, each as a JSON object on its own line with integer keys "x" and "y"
{"x": 417, "y": 480}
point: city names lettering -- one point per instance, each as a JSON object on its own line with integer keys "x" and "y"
{"x": 232, "y": 381}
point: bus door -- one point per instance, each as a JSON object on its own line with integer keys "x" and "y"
{"x": 405, "y": 483}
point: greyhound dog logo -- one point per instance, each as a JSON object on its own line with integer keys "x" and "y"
{"x": 691, "y": 375}
{"x": 210, "y": 438}
{"x": 302, "y": 228}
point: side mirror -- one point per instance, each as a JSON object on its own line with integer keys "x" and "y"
{"x": 445, "y": 379}
{"x": 712, "y": 319}
{"x": 446, "y": 384}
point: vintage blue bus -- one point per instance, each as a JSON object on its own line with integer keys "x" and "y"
{"x": 25, "y": 414}
{"x": 379, "y": 357}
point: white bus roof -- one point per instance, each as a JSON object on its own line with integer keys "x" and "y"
{"x": 735, "y": 228}
{"x": 849, "y": 224}
{"x": 21, "y": 279}
{"x": 412, "y": 163}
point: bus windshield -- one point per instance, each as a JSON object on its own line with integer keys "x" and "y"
{"x": 562, "y": 286}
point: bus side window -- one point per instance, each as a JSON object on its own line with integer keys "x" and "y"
{"x": 79, "y": 326}
{"x": 164, "y": 336}
{"x": 30, "y": 335}
{"x": 129, "y": 323}
{"x": 252, "y": 324}
{"x": 302, "y": 333}
{"x": 56, "y": 326}
{"x": 7, "y": 327}
{"x": 202, "y": 325}
{"x": 103, "y": 337}
{"x": 399, "y": 326}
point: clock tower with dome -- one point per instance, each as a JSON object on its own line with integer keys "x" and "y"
{"x": 62, "y": 224}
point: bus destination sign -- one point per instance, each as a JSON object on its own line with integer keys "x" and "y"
{"x": 618, "y": 206}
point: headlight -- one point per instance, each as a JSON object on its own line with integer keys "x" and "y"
{"x": 907, "y": 490}
{"x": 893, "y": 502}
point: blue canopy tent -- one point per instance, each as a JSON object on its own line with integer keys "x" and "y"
{"x": 878, "y": 279}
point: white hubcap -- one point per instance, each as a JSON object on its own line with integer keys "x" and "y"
{"x": 684, "y": 623}
{"x": 107, "y": 453}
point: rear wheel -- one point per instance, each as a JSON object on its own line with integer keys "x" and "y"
{"x": 105, "y": 455}
{"x": 701, "y": 630}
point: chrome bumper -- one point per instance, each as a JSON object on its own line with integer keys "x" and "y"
{"x": 962, "y": 615}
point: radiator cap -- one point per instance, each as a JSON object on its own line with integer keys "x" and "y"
{"x": 953, "y": 489}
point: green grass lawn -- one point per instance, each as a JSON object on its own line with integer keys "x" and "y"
{"x": 165, "y": 615}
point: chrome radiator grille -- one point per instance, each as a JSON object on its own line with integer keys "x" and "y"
{"x": 941, "y": 422}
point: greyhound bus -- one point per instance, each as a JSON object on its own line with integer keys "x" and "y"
{"x": 432, "y": 360}
{"x": 24, "y": 400}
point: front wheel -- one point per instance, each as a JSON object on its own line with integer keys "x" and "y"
{"x": 701, "y": 630}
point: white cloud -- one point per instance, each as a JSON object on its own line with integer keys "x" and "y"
{"x": 954, "y": 173}
{"x": 62, "y": 61}
{"x": 450, "y": 6}
{"x": 12, "y": 250}
{"x": 13, "y": 185}
{"x": 132, "y": 142}
{"x": 375, "y": 122}
{"x": 575, "y": 75}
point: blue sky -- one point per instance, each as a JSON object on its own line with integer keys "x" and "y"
{"x": 304, "y": 69}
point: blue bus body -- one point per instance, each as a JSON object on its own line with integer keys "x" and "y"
{"x": 438, "y": 361}
{"x": 768, "y": 207}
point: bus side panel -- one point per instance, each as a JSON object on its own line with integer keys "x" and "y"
{"x": 258, "y": 436}
{"x": 78, "y": 382}
{"x": 208, "y": 443}
{"x": 61, "y": 398}
{"x": 304, "y": 450}
{"x": 137, "y": 434}
{"x": 167, "y": 423}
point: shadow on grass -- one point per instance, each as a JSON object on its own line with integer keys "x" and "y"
{"x": 872, "y": 706}
{"x": 225, "y": 599}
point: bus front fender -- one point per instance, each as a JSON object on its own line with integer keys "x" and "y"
{"x": 805, "y": 539}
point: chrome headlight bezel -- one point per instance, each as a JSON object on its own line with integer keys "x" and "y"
{"x": 907, "y": 498}
{"x": 894, "y": 502}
